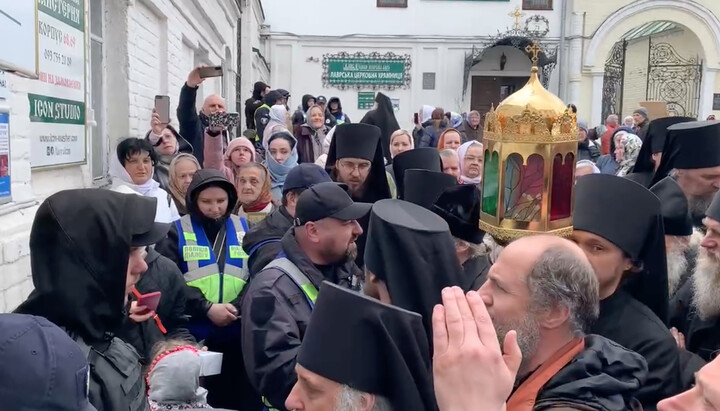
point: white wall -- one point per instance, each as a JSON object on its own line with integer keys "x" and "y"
{"x": 150, "y": 47}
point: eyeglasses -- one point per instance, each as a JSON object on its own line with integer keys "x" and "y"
{"x": 350, "y": 166}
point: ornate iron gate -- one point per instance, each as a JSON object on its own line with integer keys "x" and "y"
{"x": 674, "y": 80}
{"x": 613, "y": 80}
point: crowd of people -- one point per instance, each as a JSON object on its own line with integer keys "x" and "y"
{"x": 341, "y": 266}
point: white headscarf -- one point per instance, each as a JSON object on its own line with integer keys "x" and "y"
{"x": 278, "y": 117}
{"x": 461, "y": 156}
{"x": 426, "y": 113}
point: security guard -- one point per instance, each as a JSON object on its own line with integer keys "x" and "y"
{"x": 206, "y": 244}
{"x": 262, "y": 114}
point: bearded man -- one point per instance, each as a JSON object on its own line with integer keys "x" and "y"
{"x": 695, "y": 310}
{"x": 279, "y": 300}
{"x": 545, "y": 289}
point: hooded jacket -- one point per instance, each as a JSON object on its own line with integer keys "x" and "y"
{"x": 604, "y": 376}
{"x": 80, "y": 246}
{"x": 253, "y": 103}
{"x": 275, "y": 317}
{"x": 384, "y": 118}
{"x": 197, "y": 304}
{"x": 164, "y": 276}
{"x": 340, "y": 117}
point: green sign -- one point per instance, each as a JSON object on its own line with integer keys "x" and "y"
{"x": 70, "y": 12}
{"x": 366, "y": 100}
{"x": 365, "y": 71}
{"x": 44, "y": 109}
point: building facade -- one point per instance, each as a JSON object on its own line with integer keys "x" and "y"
{"x": 458, "y": 55}
{"x": 92, "y": 81}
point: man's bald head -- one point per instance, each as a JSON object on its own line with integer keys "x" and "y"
{"x": 212, "y": 104}
{"x": 558, "y": 273}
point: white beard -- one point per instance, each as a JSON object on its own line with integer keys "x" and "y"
{"x": 677, "y": 266}
{"x": 493, "y": 248}
{"x": 706, "y": 285}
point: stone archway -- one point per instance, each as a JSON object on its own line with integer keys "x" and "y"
{"x": 688, "y": 13}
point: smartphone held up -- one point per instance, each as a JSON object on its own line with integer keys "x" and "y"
{"x": 162, "y": 107}
{"x": 215, "y": 71}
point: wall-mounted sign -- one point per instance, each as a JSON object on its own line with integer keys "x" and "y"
{"x": 57, "y": 116}
{"x": 360, "y": 70}
{"x": 4, "y": 88}
{"x": 428, "y": 81}
{"x": 4, "y": 158}
{"x": 18, "y": 49}
{"x": 366, "y": 100}
{"x": 716, "y": 102}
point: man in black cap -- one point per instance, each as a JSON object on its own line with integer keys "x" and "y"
{"x": 262, "y": 114}
{"x": 285, "y": 98}
{"x": 88, "y": 250}
{"x": 459, "y": 206}
{"x": 642, "y": 122}
{"x": 692, "y": 155}
{"x": 409, "y": 258}
{"x": 424, "y": 187}
{"x": 678, "y": 229}
{"x": 695, "y": 309}
{"x": 262, "y": 242}
{"x": 425, "y": 158}
{"x": 361, "y": 354}
{"x": 279, "y": 299}
{"x": 631, "y": 250}
{"x": 355, "y": 158}
{"x": 254, "y": 102}
{"x": 330, "y": 120}
{"x": 650, "y": 154}
{"x": 43, "y": 368}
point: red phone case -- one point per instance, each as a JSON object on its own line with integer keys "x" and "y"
{"x": 150, "y": 300}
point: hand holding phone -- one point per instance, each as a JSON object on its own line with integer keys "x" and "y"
{"x": 162, "y": 107}
{"x": 150, "y": 300}
{"x": 205, "y": 72}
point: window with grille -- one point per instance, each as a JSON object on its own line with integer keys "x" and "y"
{"x": 537, "y": 4}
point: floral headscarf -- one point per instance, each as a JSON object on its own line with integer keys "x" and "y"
{"x": 632, "y": 145}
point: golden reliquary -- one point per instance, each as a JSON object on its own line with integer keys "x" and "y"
{"x": 531, "y": 142}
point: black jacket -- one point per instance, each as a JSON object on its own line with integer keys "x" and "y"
{"x": 588, "y": 151}
{"x": 475, "y": 271}
{"x": 702, "y": 337}
{"x": 631, "y": 324}
{"x": 384, "y": 118}
{"x": 164, "y": 276}
{"x": 604, "y": 376}
{"x": 80, "y": 247}
{"x": 271, "y": 229}
{"x": 275, "y": 316}
{"x": 192, "y": 125}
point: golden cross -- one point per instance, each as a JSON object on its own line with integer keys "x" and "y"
{"x": 517, "y": 14}
{"x": 534, "y": 49}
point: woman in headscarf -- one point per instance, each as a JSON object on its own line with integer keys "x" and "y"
{"x": 278, "y": 119}
{"x": 471, "y": 162}
{"x": 607, "y": 162}
{"x": 311, "y": 135}
{"x": 182, "y": 169}
{"x": 281, "y": 157}
{"x": 254, "y": 197}
{"x": 626, "y": 153}
{"x": 239, "y": 152}
{"x": 424, "y": 120}
{"x": 167, "y": 143}
{"x": 400, "y": 142}
{"x": 132, "y": 166}
{"x": 451, "y": 139}
{"x": 383, "y": 116}
{"x": 431, "y": 133}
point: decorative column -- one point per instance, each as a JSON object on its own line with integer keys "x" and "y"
{"x": 575, "y": 59}
{"x": 597, "y": 95}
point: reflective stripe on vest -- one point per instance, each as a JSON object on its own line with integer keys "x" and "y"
{"x": 298, "y": 277}
{"x": 200, "y": 265}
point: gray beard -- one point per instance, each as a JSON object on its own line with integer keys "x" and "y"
{"x": 528, "y": 337}
{"x": 706, "y": 285}
{"x": 698, "y": 205}
{"x": 677, "y": 265}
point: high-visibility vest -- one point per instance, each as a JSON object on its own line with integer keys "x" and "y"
{"x": 340, "y": 120}
{"x": 200, "y": 267}
{"x": 258, "y": 137}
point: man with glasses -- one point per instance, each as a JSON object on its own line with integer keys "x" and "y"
{"x": 279, "y": 300}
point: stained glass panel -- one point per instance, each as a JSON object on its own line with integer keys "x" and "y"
{"x": 490, "y": 183}
{"x": 523, "y": 187}
{"x": 562, "y": 185}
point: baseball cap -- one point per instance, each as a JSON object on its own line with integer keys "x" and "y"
{"x": 43, "y": 368}
{"x": 305, "y": 175}
{"x": 284, "y": 93}
{"x": 320, "y": 100}
{"x": 328, "y": 200}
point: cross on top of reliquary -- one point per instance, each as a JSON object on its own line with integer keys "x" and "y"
{"x": 535, "y": 50}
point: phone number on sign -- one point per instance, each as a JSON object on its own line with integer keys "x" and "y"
{"x": 55, "y": 57}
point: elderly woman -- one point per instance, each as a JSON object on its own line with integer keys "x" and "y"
{"x": 167, "y": 143}
{"x": 585, "y": 167}
{"x": 255, "y": 201}
{"x": 627, "y": 149}
{"x": 182, "y": 169}
{"x": 607, "y": 162}
{"x": 281, "y": 157}
{"x": 133, "y": 167}
{"x": 471, "y": 159}
{"x": 310, "y": 136}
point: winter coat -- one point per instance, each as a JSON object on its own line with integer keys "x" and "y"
{"x": 702, "y": 337}
{"x": 641, "y": 129}
{"x": 262, "y": 242}
{"x": 588, "y": 151}
{"x": 431, "y": 135}
{"x": 164, "y": 276}
{"x": 253, "y": 103}
{"x": 418, "y": 133}
{"x": 192, "y": 123}
{"x": 275, "y": 317}
{"x": 217, "y": 160}
{"x": 607, "y": 164}
{"x": 604, "y": 376}
{"x": 631, "y": 324}
{"x": 310, "y": 143}
{"x": 80, "y": 245}
{"x": 338, "y": 115}
{"x": 468, "y": 133}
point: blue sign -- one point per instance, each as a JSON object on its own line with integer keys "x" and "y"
{"x": 4, "y": 158}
